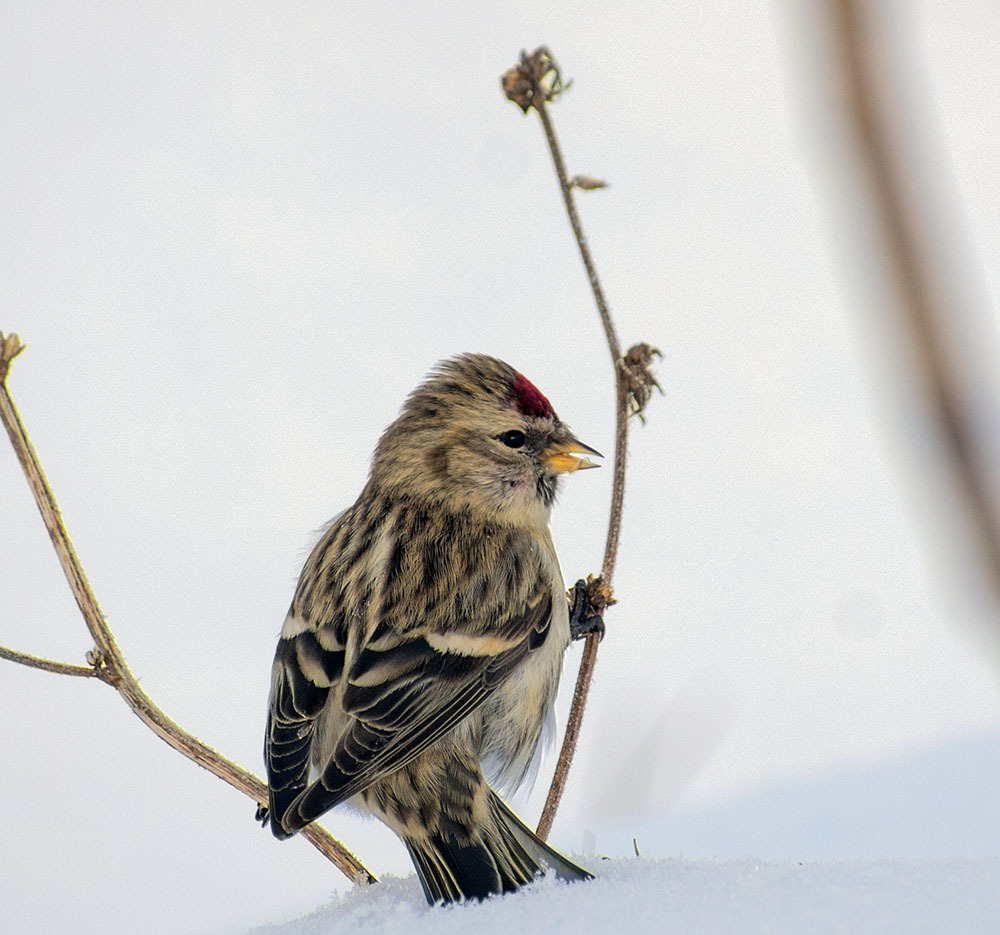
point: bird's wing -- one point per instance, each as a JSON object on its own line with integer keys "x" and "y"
{"x": 307, "y": 664}
{"x": 405, "y": 691}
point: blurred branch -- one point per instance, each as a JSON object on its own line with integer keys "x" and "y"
{"x": 106, "y": 661}
{"x": 532, "y": 84}
{"x": 916, "y": 264}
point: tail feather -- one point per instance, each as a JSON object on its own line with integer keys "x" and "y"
{"x": 450, "y": 871}
{"x": 507, "y": 856}
{"x": 533, "y": 846}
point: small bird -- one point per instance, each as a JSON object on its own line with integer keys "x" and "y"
{"x": 421, "y": 654}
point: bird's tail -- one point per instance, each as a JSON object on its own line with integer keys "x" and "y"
{"x": 508, "y": 855}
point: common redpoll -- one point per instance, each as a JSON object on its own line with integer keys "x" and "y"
{"x": 422, "y": 650}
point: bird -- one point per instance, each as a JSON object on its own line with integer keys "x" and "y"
{"x": 420, "y": 657}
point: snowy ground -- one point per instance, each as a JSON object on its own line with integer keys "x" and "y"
{"x": 935, "y": 805}
{"x": 695, "y": 896}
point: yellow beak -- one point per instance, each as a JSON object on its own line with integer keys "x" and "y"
{"x": 562, "y": 459}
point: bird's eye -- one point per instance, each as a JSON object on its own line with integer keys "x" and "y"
{"x": 513, "y": 438}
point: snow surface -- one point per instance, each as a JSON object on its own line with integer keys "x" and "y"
{"x": 702, "y": 896}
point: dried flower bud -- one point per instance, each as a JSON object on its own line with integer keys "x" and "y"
{"x": 587, "y": 183}
{"x": 517, "y": 87}
{"x": 10, "y": 347}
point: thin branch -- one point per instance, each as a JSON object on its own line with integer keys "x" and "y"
{"x": 50, "y": 665}
{"x": 540, "y": 60}
{"x": 532, "y": 83}
{"x": 539, "y": 64}
{"x": 916, "y": 263}
{"x": 108, "y": 662}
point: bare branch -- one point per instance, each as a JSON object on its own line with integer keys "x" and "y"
{"x": 532, "y": 83}
{"x": 539, "y": 72}
{"x": 107, "y": 661}
{"x": 50, "y": 665}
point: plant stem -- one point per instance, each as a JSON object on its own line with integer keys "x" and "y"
{"x": 525, "y": 84}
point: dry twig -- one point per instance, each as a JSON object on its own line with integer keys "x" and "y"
{"x": 533, "y": 83}
{"x": 105, "y": 660}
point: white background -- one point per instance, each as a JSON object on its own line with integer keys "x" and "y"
{"x": 236, "y": 235}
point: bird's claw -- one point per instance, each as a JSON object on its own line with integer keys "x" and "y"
{"x": 581, "y": 621}
{"x": 262, "y": 815}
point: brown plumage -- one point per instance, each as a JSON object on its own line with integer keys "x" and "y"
{"x": 426, "y": 636}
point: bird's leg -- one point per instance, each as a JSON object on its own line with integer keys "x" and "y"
{"x": 581, "y": 621}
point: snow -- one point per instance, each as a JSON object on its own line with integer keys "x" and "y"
{"x": 935, "y": 805}
{"x": 687, "y": 896}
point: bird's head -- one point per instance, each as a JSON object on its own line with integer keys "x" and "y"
{"x": 478, "y": 434}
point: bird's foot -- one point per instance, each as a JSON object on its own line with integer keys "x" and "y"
{"x": 581, "y": 621}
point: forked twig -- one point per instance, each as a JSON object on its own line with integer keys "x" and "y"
{"x": 531, "y": 84}
{"x": 106, "y": 661}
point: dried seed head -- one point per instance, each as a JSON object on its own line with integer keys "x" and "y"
{"x": 636, "y": 366}
{"x": 535, "y": 77}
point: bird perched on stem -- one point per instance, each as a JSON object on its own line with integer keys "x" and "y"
{"x": 422, "y": 650}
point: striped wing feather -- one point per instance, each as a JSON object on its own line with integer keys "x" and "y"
{"x": 402, "y": 694}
